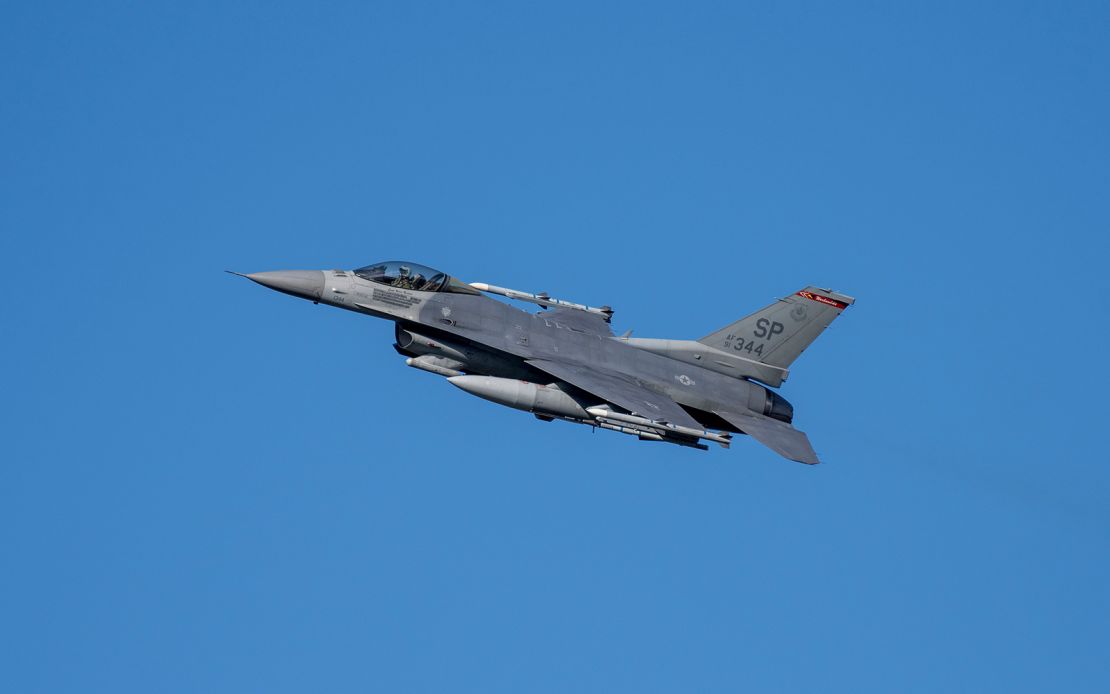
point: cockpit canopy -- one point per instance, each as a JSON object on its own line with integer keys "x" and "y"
{"x": 405, "y": 275}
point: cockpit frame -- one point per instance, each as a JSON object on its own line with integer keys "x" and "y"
{"x": 405, "y": 275}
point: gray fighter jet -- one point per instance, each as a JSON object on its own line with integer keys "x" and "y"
{"x": 564, "y": 362}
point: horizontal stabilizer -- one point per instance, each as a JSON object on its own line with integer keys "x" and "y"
{"x": 780, "y": 437}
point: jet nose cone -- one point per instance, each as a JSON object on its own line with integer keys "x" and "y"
{"x": 307, "y": 284}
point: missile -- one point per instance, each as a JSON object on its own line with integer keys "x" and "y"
{"x": 603, "y": 414}
{"x": 645, "y": 435}
{"x": 522, "y": 395}
{"x": 642, "y": 434}
{"x": 639, "y": 433}
{"x": 542, "y": 299}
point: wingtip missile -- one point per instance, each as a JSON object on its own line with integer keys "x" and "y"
{"x": 542, "y": 298}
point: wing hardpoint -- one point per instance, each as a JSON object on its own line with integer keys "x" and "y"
{"x": 780, "y": 437}
{"x": 620, "y": 390}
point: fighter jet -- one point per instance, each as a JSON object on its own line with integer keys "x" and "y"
{"x": 564, "y": 362}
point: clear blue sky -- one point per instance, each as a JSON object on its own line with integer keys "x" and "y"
{"x": 209, "y": 487}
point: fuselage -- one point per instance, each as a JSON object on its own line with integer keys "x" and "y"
{"x": 518, "y": 335}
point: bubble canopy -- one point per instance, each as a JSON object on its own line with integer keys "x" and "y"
{"x": 406, "y": 275}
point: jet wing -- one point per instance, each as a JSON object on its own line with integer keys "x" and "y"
{"x": 619, "y": 389}
{"x": 582, "y": 321}
{"x": 780, "y": 437}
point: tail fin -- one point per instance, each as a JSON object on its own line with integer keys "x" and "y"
{"x": 777, "y": 334}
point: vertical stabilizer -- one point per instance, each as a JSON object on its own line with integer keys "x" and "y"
{"x": 777, "y": 334}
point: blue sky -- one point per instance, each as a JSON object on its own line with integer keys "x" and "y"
{"x": 212, "y": 487}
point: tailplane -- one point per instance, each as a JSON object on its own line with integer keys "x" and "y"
{"x": 780, "y": 437}
{"x": 777, "y": 334}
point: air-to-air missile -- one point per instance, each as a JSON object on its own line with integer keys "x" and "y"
{"x": 541, "y": 299}
{"x": 564, "y": 362}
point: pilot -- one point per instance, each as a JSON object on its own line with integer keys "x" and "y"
{"x": 403, "y": 280}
